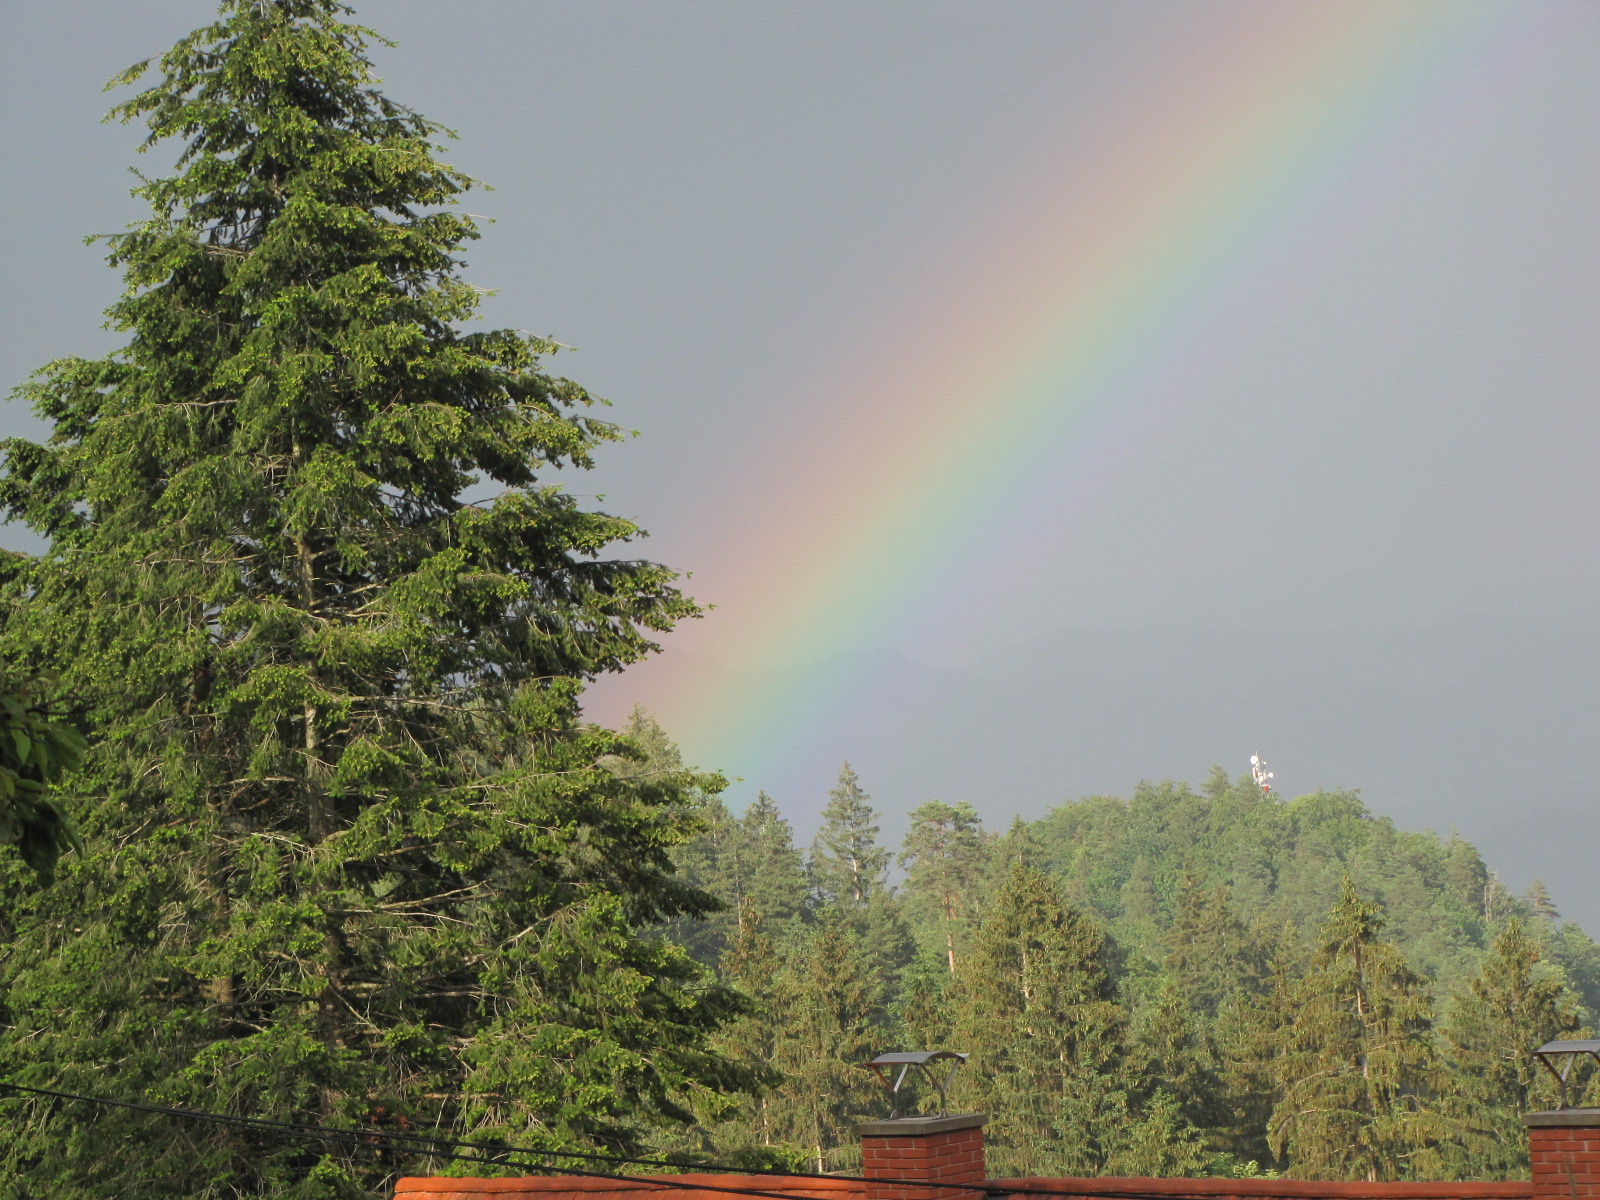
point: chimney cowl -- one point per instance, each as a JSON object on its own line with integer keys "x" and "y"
{"x": 884, "y": 1066}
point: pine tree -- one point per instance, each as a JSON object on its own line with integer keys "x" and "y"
{"x": 705, "y": 861}
{"x": 1538, "y": 900}
{"x": 831, "y": 1020}
{"x": 750, "y": 1131}
{"x": 921, "y": 1007}
{"x": 1514, "y": 1004}
{"x": 1249, "y": 1033}
{"x": 768, "y": 871}
{"x": 352, "y": 854}
{"x": 653, "y": 753}
{"x": 1575, "y": 952}
{"x": 944, "y": 851}
{"x": 750, "y": 864}
{"x": 847, "y": 865}
{"x": 1466, "y": 873}
{"x": 1140, "y": 904}
{"x": 1174, "y": 1056}
{"x": 1211, "y": 954}
{"x": 1356, "y": 1064}
{"x": 1033, "y": 1005}
{"x": 1019, "y": 846}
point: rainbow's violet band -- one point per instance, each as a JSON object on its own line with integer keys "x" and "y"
{"x": 1102, "y": 302}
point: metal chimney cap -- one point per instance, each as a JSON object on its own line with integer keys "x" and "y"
{"x": 918, "y": 1057}
{"x": 919, "y": 1060}
{"x": 1548, "y": 1053}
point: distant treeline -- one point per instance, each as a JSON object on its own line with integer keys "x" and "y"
{"x": 1180, "y": 983}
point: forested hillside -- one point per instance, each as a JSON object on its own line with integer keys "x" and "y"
{"x": 1180, "y": 982}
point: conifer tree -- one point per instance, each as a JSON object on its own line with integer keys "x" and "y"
{"x": 768, "y": 872}
{"x": 1019, "y": 846}
{"x": 752, "y": 1130}
{"x": 353, "y": 854}
{"x": 1140, "y": 903}
{"x": 1249, "y": 1033}
{"x": 1356, "y": 1064}
{"x": 1211, "y": 955}
{"x": 831, "y": 1019}
{"x": 1466, "y": 873}
{"x": 921, "y": 1007}
{"x": 705, "y": 861}
{"x": 1033, "y": 1005}
{"x": 1543, "y": 908}
{"x": 750, "y": 864}
{"x": 653, "y": 753}
{"x": 1173, "y": 1055}
{"x": 944, "y": 852}
{"x": 847, "y": 864}
{"x": 1576, "y": 954}
{"x": 1514, "y": 1004}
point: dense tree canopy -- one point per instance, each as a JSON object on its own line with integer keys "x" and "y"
{"x": 1174, "y": 983}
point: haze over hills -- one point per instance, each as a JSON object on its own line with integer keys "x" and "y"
{"x": 1482, "y": 726}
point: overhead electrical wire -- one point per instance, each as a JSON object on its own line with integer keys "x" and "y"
{"x": 500, "y": 1154}
{"x": 409, "y": 1143}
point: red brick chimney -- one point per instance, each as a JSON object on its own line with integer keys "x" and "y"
{"x": 1564, "y": 1145}
{"x": 937, "y": 1149}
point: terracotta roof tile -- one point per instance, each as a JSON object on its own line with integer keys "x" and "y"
{"x": 555, "y": 1187}
{"x": 1275, "y": 1189}
{"x": 801, "y": 1187}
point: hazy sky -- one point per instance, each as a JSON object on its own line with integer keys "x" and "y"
{"x": 1059, "y": 317}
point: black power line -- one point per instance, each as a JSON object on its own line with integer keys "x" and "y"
{"x": 498, "y": 1154}
{"x": 416, "y": 1144}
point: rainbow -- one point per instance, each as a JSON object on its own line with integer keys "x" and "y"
{"x": 1062, "y": 337}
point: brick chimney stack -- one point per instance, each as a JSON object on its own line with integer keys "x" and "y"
{"x": 1565, "y": 1148}
{"x": 943, "y": 1149}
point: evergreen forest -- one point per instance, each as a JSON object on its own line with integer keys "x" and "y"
{"x": 301, "y": 819}
{"x": 1181, "y": 982}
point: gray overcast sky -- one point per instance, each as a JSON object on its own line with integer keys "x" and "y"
{"x": 727, "y": 206}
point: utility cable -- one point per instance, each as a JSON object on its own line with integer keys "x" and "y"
{"x": 498, "y": 1154}
{"x": 489, "y": 1155}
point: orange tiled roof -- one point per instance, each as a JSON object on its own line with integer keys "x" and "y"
{"x": 1271, "y": 1189}
{"x": 804, "y": 1187}
{"x": 642, "y": 1187}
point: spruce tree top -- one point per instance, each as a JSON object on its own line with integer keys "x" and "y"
{"x": 847, "y": 865}
{"x": 297, "y": 405}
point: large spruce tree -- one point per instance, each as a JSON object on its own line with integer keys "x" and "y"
{"x": 1356, "y": 1063}
{"x": 353, "y": 856}
{"x": 1035, "y": 1006}
{"x": 945, "y": 853}
{"x": 1514, "y": 1004}
{"x": 848, "y": 866}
